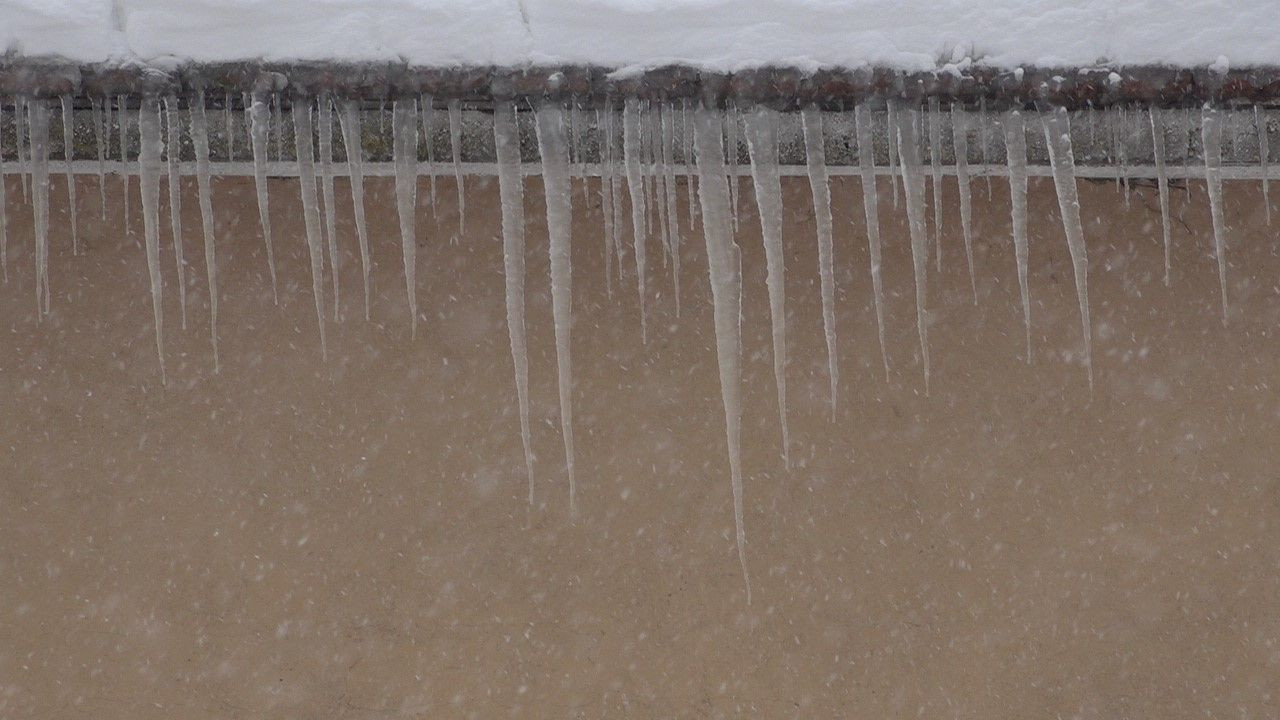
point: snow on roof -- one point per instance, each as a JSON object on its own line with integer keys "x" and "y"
{"x": 720, "y": 35}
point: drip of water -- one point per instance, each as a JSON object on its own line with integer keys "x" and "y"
{"x": 960, "y": 143}
{"x": 200, "y": 141}
{"x": 913, "y": 189}
{"x": 1211, "y": 132}
{"x": 260, "y": 117}
{"x": 1057, "y": 132}
{"x": 404, "y": 131}
{"x": 1015, "y": 141}
{"x": 1156, "y": 116}
{"x": 349, "y": 117}
{"x": 68, "y": 131}
{"x": 816, "y": 163}
{"x": 870, "y": 205}
{"x": 175, "y": 199}
{"x": 631, "y": 153}
{"x": 149, "y": 151}
{"x": 301, "y": 108}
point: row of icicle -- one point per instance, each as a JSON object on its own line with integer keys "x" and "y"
{"x": 649, "y": 137}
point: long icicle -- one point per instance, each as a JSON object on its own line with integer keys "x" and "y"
{"x": 870, "y": 205}
{"x": 816, "y": 163}
{"x": 122, "y": 121}
{"x": 175, "y": 198}
{"x": 4, "y": 218}
{"x": 325, "y": 117}
{"x": 632, "y": 153}
{"x": 669, "y": 190}
{"x": 891, "y": 120}
{"x": 455, "y": 147}
{"x": 404, "y": 130}
{"x": 913, "y": 189}
{"x": 960, "y": 143}
{"x": 511, "y": 193}
{"x": 100, "y": 138}
{"x": 553, "y": 147}
{"x": 606, "y": 197}
{"x": 38, "y": 127}
{"x": 726, "y": 293}
{"x": 1211, "y": 134}
{"x": 1057, "y": 132}
{"x": 1015, "y": 141}
{"x": 349, "y": 116}
{"x": 616, "y": 175}
{"x": 149, "y": 178}
{"x": 1156, "y": 116}
{"x": 935, "y": 163}
{"x": 21, "y": 134}
{"x": 260, "y": 116}
{"x": 200, "y": 141}
{"x": 762, "y": 147}
{"x": 68, "y": 142}
{"x": 302, "y": 139}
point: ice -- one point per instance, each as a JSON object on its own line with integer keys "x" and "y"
{"x": 960, "y": 143}
{"x": 606, "y": 197}
{"x": 913, "y": 188}
{"x": 302, "y": 139}
{"x": 816, "y": 164}
{"x": 175, "y": 199}
{"x": 1211, "y": 134}
{"x": 4, "y": 219}
{"x": 690, "y": 167}
{"x": 653, "y": 124}
{"x": 616, "y": 174}
{"x": 870, "y": 205}
{"x": 228, "y": 119}
{"x": 1156, "y": 116}
{"x": 122, "y": 120}
{"x": 325, "y": 117}
{"x": 631, "y": 154}
{"x": 149, "y": 148}
{"x": 731, "y": 125}
{"x": 511, "y": 195}
{"x": 1015, "y": 141}
{"x": 68, "y": 128}
{"x": 38, "y": 127}
{"x": 404, "y": 131}
{"x": 553, "y": 147}
{"x": 260, "y": 116}
{"x": 984, "y": 139}
{"x": 935, "y": 163}
{"x": 891, "y": 119}
{"x": 762, "y": 146}
{"x": 349, "y": 117}
{"x": 669, "y": 190}
{"x": 455, "y": 147}
{"x": 726, "y": 296}
{"x": 200, "y": 141}
{"x": 1120, "y": 118}
{"x": 428, "y": 124}
{"x": 648, "y": 163}
{"x": 1057, "y": 131}
{"x": 277, "y": 125}
{"x": 24, "y": 155}
{"x": 100, "y": 139}
{"x": 1264, "y": 157}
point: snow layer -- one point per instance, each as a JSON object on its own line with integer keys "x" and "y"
{"x": 712, "y": 34}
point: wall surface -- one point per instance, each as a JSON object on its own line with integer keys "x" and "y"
{"x": 350, "y": 538}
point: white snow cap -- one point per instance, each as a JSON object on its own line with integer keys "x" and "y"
{"x": 710, "y": 34}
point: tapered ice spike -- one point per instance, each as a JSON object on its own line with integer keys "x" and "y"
{"x": 935, "y": 164}
{"x": 1156, "y": 116}
{"x": 260, "y": 115}
{"x": 38, "y": 127}
{"x": 68, "y": 142}
{"x": 1264, "y": 157}
{"x": 913, "y": 189}
{"x": 960, "y": 143}
{"x": 99, "y": 137}
{"x": 455, "y": 147}
{"x": 632, "y": 157}
{"x": 1015, "y": 141}
{"x": 149, "y": 160}
{"x": 349, "y": 116}
{"x": 1057, "y": 131}
{"x": 870, "y": 204}
{"x": 327, "y": 194}
{"x": 200, "y": 141}
{"x": 175, "y": 198}
{"x": 816, "y": 164}
{"x": 1211, "y": 132}
{"x": 302, "y": 139}
{"x": 404, "y": 130}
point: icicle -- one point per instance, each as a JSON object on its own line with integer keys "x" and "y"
{"x": 631, "y": 152}
{"x": 891, "y": 119}
{"x": 553, "y": 147}
{"x": 38, "y": 127}
{"x": 404, "y": 132}
{"x": 816, "y": 162}
{"x": 960, "y": 143}
{"x": 616, "y": 174}
{"x": 731, "y": 123}
{"x": 200, "y": 141}
{"x": 1264, "y": 157}
{"x": 870, "y": 205}
{"x": 326, "y": 193}
{"x": 302, "y": 139}
{"x": 122, "y": 120}
{"x": 606, "y": 198}
{"x": 690, "y": 168}
{"x": 644, "y": 148}
{"x": 1057, "y": 132}
{"x": 726, "y": 294}
{"x": 277, "y": 125}
{"x": 653, "y": 119}
{"x": 4, "y": 218}
{"x": 100, "y": 139}
{"x": 149, "y": 177}
{"x": 351, "y": 142}
{"x": 428, "y": 123}
{"x": 20, "y": 130}
{"x": 577, "y": 139}
{"x": 1156, "y": 116}
{"x": 984, "y": 137}
{"x": 231, "y": 128}
{"x": 1015, "y": 140}
{"x": 175, "y": 199}
{"x": 1188, "y": 128}
{"x": 1211, "y": 134}
{"x": 913, "y": 188}
{"x": 762, "y": 146}
{"x": 455, "y": 146}
{"x": 68, "y": 131}
{"x": 511, "y": 193}
{"x": 260, "y": 115}
{"x": 669, "y": 188}
{"x": 1122, "y": 149}
{"x": 935, "y": 162}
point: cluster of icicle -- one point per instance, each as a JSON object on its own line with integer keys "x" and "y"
{"x": 638, "y": 149}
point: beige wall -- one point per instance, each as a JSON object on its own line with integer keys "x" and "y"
{"x": 308, "y": 539}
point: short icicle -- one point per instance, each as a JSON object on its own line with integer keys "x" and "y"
{"x": 511, "y": 194}
{"x": 553, "y": 147}
{"x": 455, "y": 147}
{"x": 38, "y": 127}
{"x": 4, "y": 217}
{"x": 669, "y": 191}
{"x": 404, "y": 132}
{"x": 984, "y": 140}
{"x": 427, "y": 105}
{"x": 632, "y": 153}
{"x": 762, "y": 147}
{"x": 1057, "y": 131}
{"x": 260, "y": 116}
{"x": 149, "y": 161}
{"x": 1264, "y": 157}
{"x": 1015, "y": 141}
{"x": 68, "y": 142}
{"x": 99, "y": 138}
{"x": 816, "y": 164}
{"x": 325, "y": 117}
{"x": 175, "y": 198}
{"x": 616, "y": 175}
{"x": 200, "y": 141}
{"x": 726, "y": 294}
{"x": 606, "y": 199}
{"x": 229, "y": 119}
{"x": 891, "y": 121}
{"x": 122, "y": 121}
{"x": 935, "y": 164}
{"x": 1156, "y": 116}
{"x": 1211, "y": 134}
{"x": 349, "y": 116}
{"x": 302, "y": 139}
{"x": 913, "y": 189}
{"x": 870, "y": 205}
{"x": 21, "y": 134}
{"x": 960, "y": 142}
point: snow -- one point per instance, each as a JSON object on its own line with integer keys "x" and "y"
{"x": 710, "y": 34}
